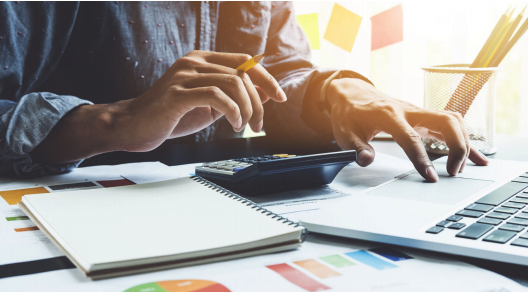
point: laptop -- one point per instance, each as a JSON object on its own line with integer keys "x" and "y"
{"x": 482, "y": 212}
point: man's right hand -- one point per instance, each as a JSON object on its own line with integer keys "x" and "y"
{"x": 196, "y": 91}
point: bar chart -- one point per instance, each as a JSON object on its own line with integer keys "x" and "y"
{"x": 310, "y": 274}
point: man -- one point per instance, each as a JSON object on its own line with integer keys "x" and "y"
{"x": 80, "y": 79}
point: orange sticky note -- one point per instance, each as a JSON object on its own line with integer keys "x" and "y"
{"x": 310, "y": 26}
{"x": 342, "y": 28}
{"x": 387, "y": 28}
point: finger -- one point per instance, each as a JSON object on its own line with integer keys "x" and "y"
{"x": 256, "y": 120}
{"x": 477, "y": 157}
{"x": 448, "y": 126}
{"x": 258, "y": 74}
{"x": 249, "y": 103}
{"x": 263, "y": 96}
{"x": 412, "y": 144}
{"x": 215, "y": 98}
{"x": 347, "y": 139}
{"x": 460, "y": 120}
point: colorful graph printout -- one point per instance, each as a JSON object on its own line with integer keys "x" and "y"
{"x": 115, "y": 183}
{"x": 337, "y": 261}
{"x": 387, "y": 28}
{"x": 370, "y": 260}
{"x": 14, "y": 196}
{"x": 180, "y": 286}
{"x": 298, "y": 278}
{"x": 391, "y": 254}
{"x": 31, "y": 228}
{"x": 342, "y": 28}
{"x": 310, "y": 26}
{"x": 317, "y": 268}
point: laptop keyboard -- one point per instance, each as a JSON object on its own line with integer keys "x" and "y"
{"x": 502, "y": 214}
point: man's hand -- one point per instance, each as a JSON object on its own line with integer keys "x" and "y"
{"x": 196, "y": 91}
{"x": 359, "y": 111}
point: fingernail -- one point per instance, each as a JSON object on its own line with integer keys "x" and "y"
{"x": 457, "y": 167}
{"x": 365, "y": 154}
{"x": 281, "y": 94}
{"x": 431, "y": 172}
{"x": 238, "y": 123}
{"x": 259, "y": 126}
{"x": 482, "y": 156}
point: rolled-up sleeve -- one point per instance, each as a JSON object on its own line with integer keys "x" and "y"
{"x": 288, "y": 60}
{"x": 24, "y": 125}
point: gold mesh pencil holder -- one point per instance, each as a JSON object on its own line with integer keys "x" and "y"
{"x": 469, "y": 91}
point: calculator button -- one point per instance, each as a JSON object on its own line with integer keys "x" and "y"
{"x": 524, "y": 235}
{"x": 238, "y": 169}
{"x": 513, "y": 205}
{"x": 443, "y": 223}
{"x": 520, "y": 199}
{"x": 511, "y": 227}
{"x": 475, "y": 231}
{"x": 520, "y": 242}
{"x": 468, "y": 213}
{"x": 522, "y": 216}
{"x": 519, "y": 221}
{"x": 496, "y": 215}
{"x": 506, "y": 210}
{"x": 454, "y": 218}
{"x": 479, "y": 207}
{"x": 434, "y": 230}
{"x": 499, "y": 236}
{"x": 457, "y": 226}
{"x": 491, "y": 221}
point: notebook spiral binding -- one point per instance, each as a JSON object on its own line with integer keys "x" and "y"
{"x": 247, "y": 202}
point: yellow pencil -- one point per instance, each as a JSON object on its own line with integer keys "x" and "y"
{"x": 484, "y": 62}
{"x": 522, "y": 29}
{"x": 503, "y": 19}
{"x": 251, "y": 62}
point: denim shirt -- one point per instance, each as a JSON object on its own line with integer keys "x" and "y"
{"x": 56, "y": 56}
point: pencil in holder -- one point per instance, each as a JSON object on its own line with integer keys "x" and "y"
{"x": 471, "y": 92}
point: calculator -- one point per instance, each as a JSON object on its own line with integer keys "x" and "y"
{"x": 256, "y": 176}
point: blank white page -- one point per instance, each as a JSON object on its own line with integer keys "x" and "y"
{"x": 150, "y": 220}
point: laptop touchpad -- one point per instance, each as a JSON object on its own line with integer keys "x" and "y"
{"x": 447, "y": 190}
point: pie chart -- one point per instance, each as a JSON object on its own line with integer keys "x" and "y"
{"x": 180, "y": 286}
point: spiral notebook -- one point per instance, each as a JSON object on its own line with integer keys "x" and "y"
{"x": 149, "y": 227}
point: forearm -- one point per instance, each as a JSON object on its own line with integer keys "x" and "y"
{"x": 83, "y": 132}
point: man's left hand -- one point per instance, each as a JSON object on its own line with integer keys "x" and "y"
{"x": 359, "y": 112}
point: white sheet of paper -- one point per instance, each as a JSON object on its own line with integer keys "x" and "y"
{"x": 424, "y": 272}
{"x": 34, "y": 245}
{"x": 353, "y": 179}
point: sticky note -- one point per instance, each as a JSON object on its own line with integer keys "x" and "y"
{"x": 310, "y": 26}
{"x": 387, "y": 28}
{"x": 342, "y": 28}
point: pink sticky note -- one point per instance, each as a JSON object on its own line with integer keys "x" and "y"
{"x": 387, "y": 28}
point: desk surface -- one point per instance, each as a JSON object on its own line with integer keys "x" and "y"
{"x": 509, "y": 148}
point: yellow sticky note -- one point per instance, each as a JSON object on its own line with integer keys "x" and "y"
{"x": 342, "y": 28}
{"x": 310, "y": 26}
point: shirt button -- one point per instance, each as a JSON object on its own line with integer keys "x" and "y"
{"x": 146, "y": 42}
{"x": 182, "y": 25}
{"x": 131, "y": 22}
{"x": 159, "y": 60}
{"x": 128, "y": 59}
{"x": 171, "y": 42}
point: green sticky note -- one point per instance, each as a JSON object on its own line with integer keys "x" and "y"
{"x": 342, "y": 28}
{"x": 310, "y": 26}
{"x": 337, "y": 261}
